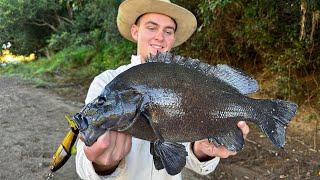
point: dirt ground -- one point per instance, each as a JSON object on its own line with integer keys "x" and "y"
{"x": 32, "y": 126}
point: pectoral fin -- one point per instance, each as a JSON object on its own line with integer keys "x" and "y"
{"x": 168, "y": 155}
{"x": 231, "y": 139}
{"x": 156, "y": 159}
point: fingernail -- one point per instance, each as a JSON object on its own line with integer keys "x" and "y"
{"x": 241, "y": 123}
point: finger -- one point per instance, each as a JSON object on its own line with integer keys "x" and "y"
{"x": 105, "y": 158}
{"x": 205, "y": 143}
{"x": 206, "y": 147}
{"x": 99, "y": 147}
{"x": 118, "y": 151}
{"x": 212, "y": 150}
{"x": 244, "y": 128}
{"x": 223, "y": 152}
{"x": 128, "y": 144}
{"x": 102, "y": 149}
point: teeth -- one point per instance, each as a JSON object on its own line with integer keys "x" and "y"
{"x": 157, "y": 47}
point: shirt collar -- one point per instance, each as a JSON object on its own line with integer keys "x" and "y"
{"x": 135, "y": 60}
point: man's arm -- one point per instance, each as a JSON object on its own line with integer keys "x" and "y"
{"x": 89, "y": 169}
{"x": 205, "y": 150}
{"x": 204, "y": 156}
{"x": 108, "y": 151}
{"x": 104, "y": 156}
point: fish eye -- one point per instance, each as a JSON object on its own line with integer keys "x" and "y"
{"x": 100, "y": 101}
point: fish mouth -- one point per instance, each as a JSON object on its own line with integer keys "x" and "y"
{"x": 86, "y": 116}
{"x": 81, "y": 121}
{"x": 87, "y": 134}
{"x": 88, "y": 121}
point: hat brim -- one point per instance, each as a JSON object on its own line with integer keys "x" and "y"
{"x": 130, "y": 10}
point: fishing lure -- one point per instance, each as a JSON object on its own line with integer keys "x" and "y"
{"x": 66, "y": 148}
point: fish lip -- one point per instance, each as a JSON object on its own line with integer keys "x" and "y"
{"x": 81, "y": 121}
{"x": 86, "y": 134}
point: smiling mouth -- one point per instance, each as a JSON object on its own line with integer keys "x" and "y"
{"x": 157, "y": 47}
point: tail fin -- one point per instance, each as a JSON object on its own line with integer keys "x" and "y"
{"x": 276, "y": 115}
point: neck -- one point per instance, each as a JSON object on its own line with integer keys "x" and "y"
{"x": 142, "y": 58}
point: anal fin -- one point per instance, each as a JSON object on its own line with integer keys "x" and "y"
{"x": 231, "y": 139}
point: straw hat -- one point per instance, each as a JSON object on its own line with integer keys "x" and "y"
{"x": 130, "y": 10}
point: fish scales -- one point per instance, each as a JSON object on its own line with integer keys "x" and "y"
{"x": 174, "y": 99}
{"x": 179, "y": 100}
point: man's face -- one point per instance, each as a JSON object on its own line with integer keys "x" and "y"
{"x": 153, "y": 32}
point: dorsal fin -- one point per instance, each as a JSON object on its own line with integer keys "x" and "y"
{"x": 234, "y": 77}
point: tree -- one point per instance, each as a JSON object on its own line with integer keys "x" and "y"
{"x": 94, "y": 24}
{"x": 28, "y": 23}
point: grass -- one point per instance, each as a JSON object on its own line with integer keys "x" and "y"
{"x": 72, "y": 65}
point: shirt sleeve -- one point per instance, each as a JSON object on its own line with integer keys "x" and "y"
{"x": 202, "y": 168}
{"x": 84, "y": 166}
{"x": 100, "y": 81}
{"x": 98, "y": 84}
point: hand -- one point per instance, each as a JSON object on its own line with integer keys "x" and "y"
{"x": 204, "y": 150}
{"x": 107, "y": 152}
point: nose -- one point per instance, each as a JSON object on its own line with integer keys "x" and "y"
{"x": 159, "y": 36}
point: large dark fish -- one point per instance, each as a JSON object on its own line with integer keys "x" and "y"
{"x": 173, "y": 99}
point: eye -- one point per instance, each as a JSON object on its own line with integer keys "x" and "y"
{"x": 100, "y": 101}
{"x": 169, "y": 32}
{"x": 151, "y": 28}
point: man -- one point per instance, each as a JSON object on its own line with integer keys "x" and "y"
{"x": 155, "y": 25}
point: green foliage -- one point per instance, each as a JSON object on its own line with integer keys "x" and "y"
{"x": 113, "y": 55}
{"x": 259, "y": 36}
{"x": 26, "y": 24}
{"x": 209, "y": 10}
{"x": 74, "y": 64}
{"x": 32, "y": 25}
{"x": 93, "y": 24}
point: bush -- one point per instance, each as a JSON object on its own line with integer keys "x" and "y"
{"x": 94, "y": 24}
{"x": 75, "y": 64}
